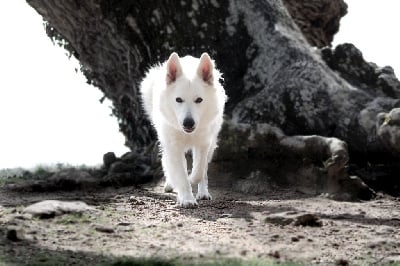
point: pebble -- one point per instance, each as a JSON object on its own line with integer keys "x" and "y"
{"x": 50, "y": 208}
{"x": 124, "y": 223}
{"x": 275, "y": 254}
{"x": 15, "y": 234}
{"x": 341, "y": 262}
{"x": 104, "y": 229}
{"x": 134, "y": 201}
{"x": 286, "y": 218}
{"x": 308, "y": 220}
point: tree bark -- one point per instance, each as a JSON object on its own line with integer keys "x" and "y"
{"x": 319, "y": 20}
{"x": 271, "y": 74}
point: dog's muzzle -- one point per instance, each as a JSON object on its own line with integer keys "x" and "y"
{"x": 188, "y": 125}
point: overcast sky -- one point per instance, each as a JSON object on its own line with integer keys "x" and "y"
{"x": 48, "y": 114}
{"x": 372, "y": 25}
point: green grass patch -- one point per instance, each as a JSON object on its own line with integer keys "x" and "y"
{"x": 40, "y": 172}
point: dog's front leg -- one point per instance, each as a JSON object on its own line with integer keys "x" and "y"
{"x": 174, "y": 164}
{"x": 199, "y": 171}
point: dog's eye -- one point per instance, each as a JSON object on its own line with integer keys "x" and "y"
{"x": 179, "y": 100}
{"x": 198, "y": 100}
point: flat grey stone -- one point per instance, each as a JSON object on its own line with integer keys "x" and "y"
{"x": 51, "y": 208}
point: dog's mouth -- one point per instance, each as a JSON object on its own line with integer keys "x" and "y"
{"x": 188, "y": 129}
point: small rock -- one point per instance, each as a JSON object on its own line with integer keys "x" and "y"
{"x": 341, "y": 262}
{"x": 274, "y": 254}
{"x": 151, "y": 226}
{"x": 274, "y": 238}
{"x": 15, "y": 234}
{"x": 104, "y": 229}
{"x": 165, "y": 219}
{"x": 24, "y": 216}
{"x": 243, "y": 252}
{"x": 124, "y": 223}
{"x": 180, "y": 225}
{"x": 279, "y": 219}
{"x": 50, "y": 208}
{"x": 308, "y": 220}
{"x": 295, "y": 239}
{"x": 286, "y": 218}
{"x": 108, "y": 159}
{"x": 134, "y": 201}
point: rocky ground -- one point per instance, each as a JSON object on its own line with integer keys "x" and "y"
{"x": 142, "y": 225}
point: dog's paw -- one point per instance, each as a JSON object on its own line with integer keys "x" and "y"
{"x": 203, "y": 196}
{"x": 187, "y": 202}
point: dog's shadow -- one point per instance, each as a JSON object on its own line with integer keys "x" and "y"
{"x": 227, "y": 203}
{"x": 249, "y": 207}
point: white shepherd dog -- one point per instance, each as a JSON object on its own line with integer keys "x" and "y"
{"x": 185, "y": 102}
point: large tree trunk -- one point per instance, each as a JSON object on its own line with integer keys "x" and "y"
{"x": 273, "y": 77}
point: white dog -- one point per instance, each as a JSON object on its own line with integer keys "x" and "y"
{"x": 185, "y": 102}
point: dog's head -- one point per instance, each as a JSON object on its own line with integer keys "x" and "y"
{"x": 190, "y": 91}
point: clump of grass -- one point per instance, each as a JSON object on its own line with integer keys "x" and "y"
{"x": 11, "y": 172}
{"x": 18, "y": 175}
{"x": 39, "y": 172}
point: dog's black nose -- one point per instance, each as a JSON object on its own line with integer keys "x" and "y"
{"x": 188, "y": 123}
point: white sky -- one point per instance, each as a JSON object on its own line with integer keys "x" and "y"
{"x": 372, "y": 26}
{"x": 48, "y": 114}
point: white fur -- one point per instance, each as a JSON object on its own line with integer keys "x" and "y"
{"x": 187, "y": 78}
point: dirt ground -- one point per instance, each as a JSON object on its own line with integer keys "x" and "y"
{"x": 142, "y": 225}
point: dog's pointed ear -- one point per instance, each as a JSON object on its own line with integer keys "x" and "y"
{"x": 174, "y": 69}
{"x": 205, "y": 69}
